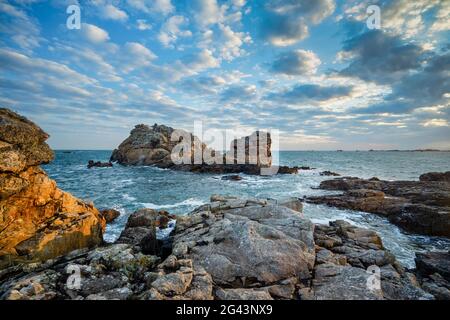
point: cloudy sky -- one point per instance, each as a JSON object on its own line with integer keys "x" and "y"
{"x": 311, "y": 69}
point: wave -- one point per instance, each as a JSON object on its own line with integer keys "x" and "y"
{"x": 162, "y": 234}
{"x": 127, "y": 197}
{"x": 191, "y": 202}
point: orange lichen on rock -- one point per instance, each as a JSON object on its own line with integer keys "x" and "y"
{"x": 38, "y": 221}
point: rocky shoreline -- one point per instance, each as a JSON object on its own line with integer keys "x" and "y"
{"x": 51, "y": 243}
{"x": 232, "y": 248}
{"x": 416, "y": 206}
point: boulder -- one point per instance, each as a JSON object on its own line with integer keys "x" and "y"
{"x": 177, "y": 279}
{"x": 109, "y": 214}
{"x": 38, "y": 221}
{"x": 429, "y": 263}
{"x": 433, "y": 271}
{"x": 140, "y": 230}
{"x": 336, "y": 282}
{"x": 247, "y": 242}
{"x": 292, "y": 203}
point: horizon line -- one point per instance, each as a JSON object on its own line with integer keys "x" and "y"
{"x": 304, "y": 150}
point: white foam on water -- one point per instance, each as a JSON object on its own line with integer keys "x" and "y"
{"x": 191, "y": 202}
{"x": 164, "y": 233}
{"x": 127, "y": 197}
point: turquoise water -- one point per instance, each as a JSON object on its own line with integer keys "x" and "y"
{"x": 129, "y": 188}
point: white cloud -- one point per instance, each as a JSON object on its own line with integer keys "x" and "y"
{"x": 239, "y": 93}
{"x": 142, "y": 25}
{"x": 203, "y": 60}
{"x": 171, "y": 30}
{"x": 22, "y": 64}
{"x": 404, "y": 18}
{"x": 230, "y": 42}
{"x": 442, "y": 22}
{"x": 298, "y": 62}
{"x": 208, "y": 12}
{"x": 287, "y": 21}
{"x": 136, "y": 56}
{"x": 113, "y": 13}
{"x": 313, "y": 11}
{"x": 435, "y": 123}
{"x": 93, "y": 33}
{"x": 52, "y": 80}
{"x": 163, "y": 7}
{"x": 238, "y": 3}
{"x": 19, "y": 27}
{"x": 89, "y": 60}
{"x": 138, "y": 50}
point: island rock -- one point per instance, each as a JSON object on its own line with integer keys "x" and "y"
{"x": 154, "y": 146}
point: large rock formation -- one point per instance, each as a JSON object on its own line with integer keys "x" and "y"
{"x": 417, "y": 206}
{"x": 154, "y": 145}
{"x": 38, "y": 221}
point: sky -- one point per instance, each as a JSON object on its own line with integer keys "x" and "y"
{"x": 313, "y": 70}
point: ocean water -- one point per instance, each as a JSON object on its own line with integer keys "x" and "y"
{"x": 129, "y": 188}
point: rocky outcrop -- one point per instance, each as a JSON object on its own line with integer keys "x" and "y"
{"x": 98, "y": 164}
{"x": 433, "y": 270}
{"x": 247, "y": 247}
{"x": 38, "y": 221}
{"x": 417, "y": 206}
{"x": 109, "y": 215}
{"x": 112, "y": 272}
{"x": 233, "y": 177}
{"x": 435, "y": 176}
{"x": 230, "y": 248}
{"x": 140, "y": 230}
{"x": 245, "y": 243}
{"x": 154, "y": 146}
{"x": 351, "y": 263}
{"x": 329, "y": 173}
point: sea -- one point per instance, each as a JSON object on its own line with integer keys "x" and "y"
{"x": 127, "y": 189}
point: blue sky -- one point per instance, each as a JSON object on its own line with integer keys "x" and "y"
{"x": 311, "y": 69}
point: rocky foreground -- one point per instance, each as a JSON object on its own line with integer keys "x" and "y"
{"x": 417, "y": 206}
{"x": 38, "y": 221}
{"x": 233, "y": 248}
{"x": 153, "y": 146}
